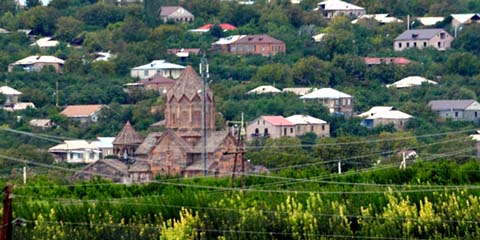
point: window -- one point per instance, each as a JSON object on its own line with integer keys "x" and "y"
{"x": 311, "y": 128}
{"x": 476, "y": 115}
{"x": 284, "y": 131}
{"x": 399, "y": 45}
{"x": 265, "y": 132}
{"x": 145, "y": 73}
{"x": 456, "y": 114}
{"x": 424, "y": 44}
{"x": 291, "y": 130}
{"x": 408, "y": 44}
{"x": 256, "y": 131}
{"x": 438, "y": 44}
{"x": 323, "y": 127}
{"x": 263, "y": 122}
{"x": 442, "y": 35}
{"x": 415, "y": 44}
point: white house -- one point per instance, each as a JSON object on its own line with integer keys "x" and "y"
{"x": 157, "y": 67}
{"x": 383, "y": 115}
{"x": 75, "y": 151}
{"x": 334, "y": 100}
{"x": 11, "y": 100}
{"x": 411, "y": 81}
{"x": 45, "y": 42}
{"x": 332, "y": 8}
{"x": 36, "y": 63}
{"x": 305, "y": 124}
{"x": 382, "y": 18}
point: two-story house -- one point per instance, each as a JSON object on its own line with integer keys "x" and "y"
{"x": 84, "y": 114}
{"x": 176, "y": 13}
{"x": 37, "y": 63}
{"x": 423, "y": 38}
{"x": 383, "y": 115}
{"x": 250, "y": 44}
{"x": 337, "y": 102}
{"x": 332, "y": 8}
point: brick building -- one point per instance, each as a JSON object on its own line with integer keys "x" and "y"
{"x": 250, "y": 44}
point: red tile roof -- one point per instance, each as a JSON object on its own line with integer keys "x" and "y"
{"x": 81, "y": 110}
{"x": 224, "y": 26}
{"x": 277, "y": 120}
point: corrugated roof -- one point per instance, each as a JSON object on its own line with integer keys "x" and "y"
{"x": 298, "y": 90}
{"x": 392, "y": 114}
{"x": 38, "y": 59}
{"x": 439, "y": 105}
{"x": 375, "y": 110}
{"x": 419, "y": 34}
{"x": 128, "y": 136}
{"x": 380, "y": 17}
{"x": 188, "y": 84}
{"x": 72, "y": 145}
{"x": 45, "y": 42}
{"x": 410, "y": 82}
{"x": 265, "y": 89}
{"x": 429, "y": 21}
{"x": 228, "y": 40}
{"x": 159, "y": 65}
{"x": 325, "y": 93}
{"x": 6, "y": 90}
{"x": 338, "y": 5}
{"x": 462, "y": 18}
{"x": 81, "y": 110}
{"x": 103, "y": 142}
{"x": 277, "y": 120}
{"x": 304, "y": 119}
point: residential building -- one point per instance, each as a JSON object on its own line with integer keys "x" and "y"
{"x": 157, "y": 83}
{"x": 176, "y": 14}
{"x": 305, "y": 124}
{"x": 84, "y": 114}
{"x": 183, "y": 53}
{"x": 383, "y": 116}
{"x": 464, "y": 19}
{"x": 41, "y": 123}
{"x": 75, "y": 151}
{"x": 157, "y": 67}
{"x": 382, "y": 18}
{"x": 206, "y": 28}
{"x": 271, "y": 127}
{"x": 319, "y": 37}
{"x": 102, "y": 56}
{"x": 411, "y": 81}
{"x": 45, "y": 42}
{"x": 264, "y": 89}
{"x": 105, "y": 145}
{"x": 373, "y": 61}
{"x": 429, "y": 21}
{"x": 335, "y": 101}
{"x": 279, "y": 126}
{"x": 423, "y": 38}
{"x": 250, "y": 44}
{"x": 4, "y": 31}
{"x": 459, "y": 110}
{"x": 37, "y": 63}
{"x": 300, "y": 91}
{"x": 11, "y": 100}
{"x": 332, "y": 8}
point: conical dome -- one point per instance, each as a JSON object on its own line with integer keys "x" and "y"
{"x": 189, "y": 84}
{"x": 128, "y": 136}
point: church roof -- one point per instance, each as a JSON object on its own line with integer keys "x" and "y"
{"x": 214, "y": 140}
{"x": 148, "y": 144}
{"x": 128, "y": 136}
{"x": 189, "y": 84}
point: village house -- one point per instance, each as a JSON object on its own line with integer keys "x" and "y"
{"x": 206, "y": 28}
{"x": 279, "y": 126}
{"x": 373, "y": 61}
{"x": 41, "y": 123}
{"x": 4, "y": 31}
{"x": 423, "y": 38}
{"x": 45, "y": 42}
{"x": 459, "y": 110}
{"x": 270, "y": 127}
{"x": 176, "y": 14}
{"x": 300, "y": 91}
{"x": 332, "y": 8}
{"x": 157, "y": 67}
{"x": 411, "y": 81}
{"x": 157, "y": 83}
{"x": 183, "y": 53}
{"x": 11, "y": 100}
{"x": 383, "y": 116}
{"x": 459, "y": 20}
{"x": 75, "y": 151}
{"x": 305, "y": 124}
{"x": 105, "y": 145}
{"x": 265, "y": 89}
{"x": 37, "y": 63}
{"x": 382, "y": 18}
{"x": 250, "y": 44}
{"x": 335, "y": 101}
{"x": 429, "y": 21}
{"x": 84, "y": 114}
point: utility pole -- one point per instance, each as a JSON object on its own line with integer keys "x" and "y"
{"x": 204, "y": 74}
{"x": 339, "y": 167}
{"x": 24, "y": 175}
{"x": 403, "y": 164}
{"x": 56, "y": 93}
{"x": 235, "y": 162}
{"x": 7, "y": 218}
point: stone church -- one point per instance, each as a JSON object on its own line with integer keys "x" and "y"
{"x": 177, "y": 150}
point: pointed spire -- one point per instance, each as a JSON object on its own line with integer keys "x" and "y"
{"x": 189, "y": 84}
{"x": 128, "y": 136}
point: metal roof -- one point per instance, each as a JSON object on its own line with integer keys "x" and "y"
{"x": 419, "y": 34}
{"x": 159, "y": 65}
{"x": 325, "y": 93}
{"x": 439, "y": 105}
{"x": 304, "y": 119}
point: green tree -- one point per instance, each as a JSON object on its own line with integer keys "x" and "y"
{"x": 33, "y": 3}
{"x": 312, "y": 71}
{"x": 7, "y": 6}
{"x": 100, "y": 14}
{"x": 276, "y": 73}
{"x": 465, "y": 64}
{"x": 68, "y": 28}
{"x": 40, "y": 19}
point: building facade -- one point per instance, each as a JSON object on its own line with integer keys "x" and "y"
{"x": 423, "y": 38}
